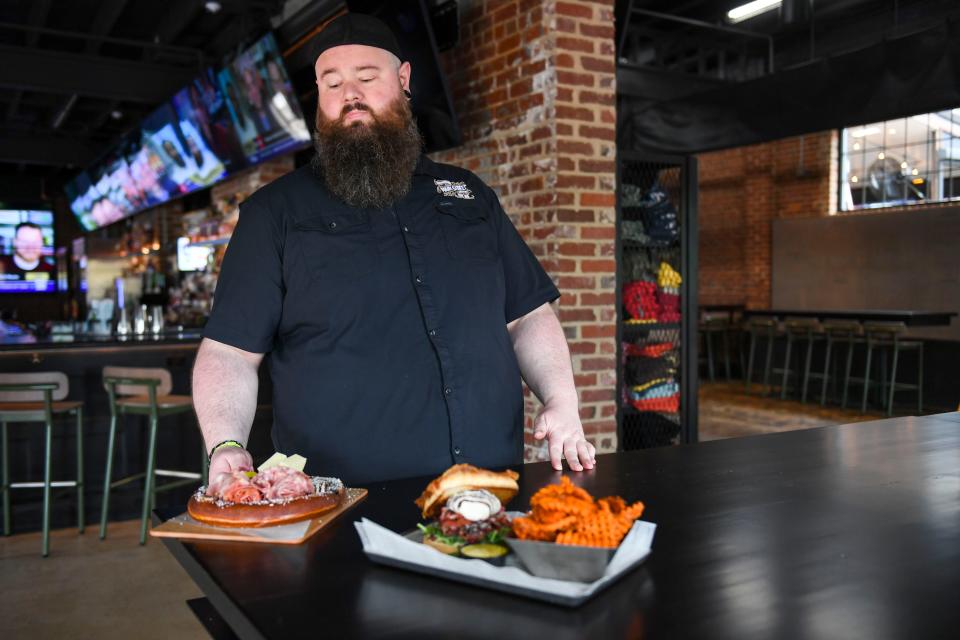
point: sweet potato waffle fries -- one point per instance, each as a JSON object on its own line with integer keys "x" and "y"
{"x": 566, "y": 514}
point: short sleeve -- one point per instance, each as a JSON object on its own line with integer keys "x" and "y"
{"x": 248, "y": 298}
{"x": 527, "y": 284}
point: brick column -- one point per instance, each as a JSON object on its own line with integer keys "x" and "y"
{"x": 533, "y": 86}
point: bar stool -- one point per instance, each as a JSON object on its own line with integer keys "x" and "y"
{"x": 38, "y": 397}
{"x": 839, "y": 332}
{"x": 886, "y": 336}
{"x": 125, "y": 387}
{"x": 799, "y": 330}
{"x": 711, "y": 326}
{"x": 759, "y": 328}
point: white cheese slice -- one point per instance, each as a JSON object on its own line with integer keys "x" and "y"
{"x": 296, "y": 461}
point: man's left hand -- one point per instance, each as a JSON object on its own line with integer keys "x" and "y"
{"x": 565, "y": 439}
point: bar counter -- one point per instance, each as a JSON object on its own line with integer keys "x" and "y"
{"x": 60, "y": 342}
{"x": 848, "y": 531}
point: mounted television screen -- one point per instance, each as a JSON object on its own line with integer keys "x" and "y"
{"x": 177, "y": 169}
{"x": 84, "y": 200}
{"x": 191, "y": 257}
{"x": 27, "y": 260}
{"x": 146, "y": 171}
{"x": 113, "y": 180}
{"x": 206, "y": 127}
{"x": 224, "y": 119}
{"x": 263, "y": 105}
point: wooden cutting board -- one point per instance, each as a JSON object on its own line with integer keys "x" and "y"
{"x": 186, "y": 528}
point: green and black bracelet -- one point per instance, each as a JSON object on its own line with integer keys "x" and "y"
{"x": 225, "y": 443}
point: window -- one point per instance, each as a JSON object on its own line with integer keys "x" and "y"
{"x": 901, "y": 162}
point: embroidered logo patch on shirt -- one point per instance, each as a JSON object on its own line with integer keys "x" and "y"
{"x": 453, "y": 189}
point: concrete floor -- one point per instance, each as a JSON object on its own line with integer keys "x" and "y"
{"x": 88, "y": 588}
{"x": 118, "y": 589}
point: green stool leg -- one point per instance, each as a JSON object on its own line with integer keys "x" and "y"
{"x": 6, "y": 478}
{"x": 826, "y": 373}
{"x": 768, "y": 366}
{"x": 148, "y": 489}
{"x": 47, "y": 464}
{"x": 81, "y": 518}
{"x": 893, "y": 379}
{"x": 108, "y": 474}
{"x": 806, "y": 369}
{"x": 786, "y": 368}
{"x": 866, "y": 379}
{"x": 882, "y": 399}
{"x": 753, "y": 348}
{"x": 846, "y": 375}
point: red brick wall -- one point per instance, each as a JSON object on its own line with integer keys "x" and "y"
{"x": 742, "y": 191}
{"x": 533, "y": 86}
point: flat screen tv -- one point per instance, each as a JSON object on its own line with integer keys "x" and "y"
{"x": 262, "y": 103}
{"x": 27, "y": 260}
{"x": 191, "y": 257}
{"x": 207, "y": 129}
{"x": 226, "y": 118}
{"x": 177, "y": 169}
{"x": 91, "y": 208}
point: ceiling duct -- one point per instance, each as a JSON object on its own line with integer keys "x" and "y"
{"x": 796, "y": 12}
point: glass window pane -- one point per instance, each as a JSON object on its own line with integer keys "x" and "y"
{"x": 894, "y": 134}
{"x": 951, "y": 185}
{"x": 902, "y": 161}
{"x": 916, "y": 157}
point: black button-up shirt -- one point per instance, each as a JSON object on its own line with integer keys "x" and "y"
{"x": 386, "y": 329}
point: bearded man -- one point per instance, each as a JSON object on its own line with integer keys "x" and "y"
{"x": 397, "y": 302}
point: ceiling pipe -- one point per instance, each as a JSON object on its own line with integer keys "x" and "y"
{"x": 64, "y": 111}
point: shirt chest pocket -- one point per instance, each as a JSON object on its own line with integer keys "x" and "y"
{"x": 338, "y": 247}
{"x": 467, "y": 230}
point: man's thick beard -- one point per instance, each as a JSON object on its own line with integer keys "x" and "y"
{"x": 369, "y": 166}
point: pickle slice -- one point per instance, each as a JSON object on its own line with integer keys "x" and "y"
{"x": 483, "y": 550}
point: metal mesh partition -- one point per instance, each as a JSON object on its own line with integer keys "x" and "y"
{"x": 653, "y": 262}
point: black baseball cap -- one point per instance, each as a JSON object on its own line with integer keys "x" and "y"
{"x": 356, "y": 28}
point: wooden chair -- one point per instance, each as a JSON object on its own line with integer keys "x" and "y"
{"x": 39, "y": 397}
{"x": 144, "y": 392}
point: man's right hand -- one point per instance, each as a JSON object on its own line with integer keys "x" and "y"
{"x": 228, "y": 460}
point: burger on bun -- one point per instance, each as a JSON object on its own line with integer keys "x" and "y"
{"x": 464, "y": 509}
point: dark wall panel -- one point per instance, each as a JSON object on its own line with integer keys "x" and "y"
{"x": 877, "y": 260}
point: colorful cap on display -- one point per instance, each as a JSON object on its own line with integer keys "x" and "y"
{"x": 356, "y": 28}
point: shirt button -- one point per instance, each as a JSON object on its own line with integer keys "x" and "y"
{"x": 419, "y": 280}
{"x": 332, "y": 225}
{"x": 456, "y": 451}
{"x": 432, "y": 332}
{"x": 448, "y": 391}
{"x": 405, "y": 229}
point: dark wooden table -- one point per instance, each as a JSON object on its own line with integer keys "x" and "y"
{"x": 840, "y": 532}
{"x": 908, "y": 317}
